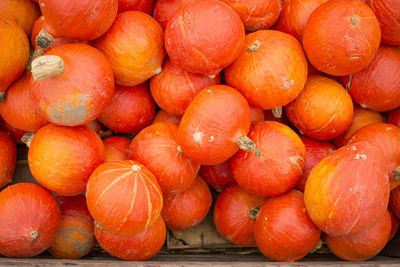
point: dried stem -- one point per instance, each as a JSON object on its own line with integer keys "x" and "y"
{"x": 44, "y": 39}
{"x": 45, "y": 67}
{"x": 245, "y": 143}
{"x": 277, "y": 112}
{"x": 27, "y": 138}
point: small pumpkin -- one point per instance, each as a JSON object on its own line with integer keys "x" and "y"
{"x": 394, "y": 117}
{"x": 395, "y": 225}
{"x": 145, "y": 6}
{"x": 163, "y": 116}
{"x": 164, "y": 10}
{"x": 8, "y": 157}
{"x": 22, "y": 12}
{"x": 116, "y": 148}
{"x": 217, "y": 176}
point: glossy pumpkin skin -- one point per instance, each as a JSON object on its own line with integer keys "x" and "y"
{"x": 22, "y": 12}
{"x": 8, "y": 156}
{"x": 13, "y": 132}
{"x": 186, "y": 209}
{"x": 174, "y": 88}
{"x": 123, "y": 197}
{"x": 75, "y": 238}
{"x": 217, "y": 176}
{"x": 283, "y": 229}
{"x": 145, "y": 6}
{"x": 139, "y": 247}
{"x": 29, "y": 222}
{"x": 315, "y": 152}
{"x": 235, "y": 215}
{"x": 341, "y": 37}
{"x": 116, "y": 148}
{"x": 163, "y": 116}
{"x": 14, "y": 52}
{"x": 362, "y": 246}
{"x": 213, "y": 123}
{"x": 19, "y": 110}
{"x": 394, "y": 117}
{"x": 347, "y": 192}
{"x": 195, "y": 46}
{"x": 79, "y": 20}
{"x": 134, "y": 47}
{"x": 394, "y": 202}
{"x": 377, "y": 86}
{"x": 281, "y": 69}
{"x": 62, "y": 158}
{"x": 131, "y": 109}
{"x": 323, "y": 110}
{"x": 81, "y": 93}
{"x": 276, "y": 164}
{"x": 395, "y": 225}
{"x": 164, "y": 10}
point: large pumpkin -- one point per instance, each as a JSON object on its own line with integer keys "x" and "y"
{"x": 192, "y": 44}
{"x": 62, "y": 158}
{"x": 8, "y": 156}
{"x": 217, "y": 176}
{"x": 29, "y": 220}
{"x": 123, "y": 197}
{"x": 134, "y": 47}
{"x": 214, "y": 125}
{"x": 341, "y": 37}
{"x": 164, "y": 10}
{"x": 116, "y": 148}
{"x": 22, "y": 12}
{"x": 347, "y": 192}
{"x": 163, "y": 116}
{"x": 271, "y": 70}
{"x": 394, "y": 117}
{"x": 145, "y": 6}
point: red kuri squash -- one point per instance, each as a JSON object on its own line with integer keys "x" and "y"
{"x": 164, "y": 10}
{"x": 163, "y": 116}
{"x": 217, "y": 176}
{"x": 116, "y": 148}
{"x": 145, "y": 6}
{"x": 8, "y": 156}
{"x": 22, "y": 12}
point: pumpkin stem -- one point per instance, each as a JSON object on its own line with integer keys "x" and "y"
{"x": 253, "y": 213}
{"x": 277, "y": 112}
{"x": 44, "y": 39}
{"x": 158, "y": 71}
{"x": 27, "y": 138}
{"x": 104, "y": 134}
{"x": 212, "y": 76}
{"x": 179, "y": 149}
{"x": 46, "y": 67}
{"x": 2, "y": 97}
{"x": 254, "y": 46}
{"x": 348, "y": 85}
{"x": 317, "y": 247}
{"x": 136, "y": 168}
{"x": 396, "y": 174}
{"x": 33, "y": 234}
{"x": 257, "y": 153}
{"x": 99, "y": 226}
{"x": 32, "y": 56}
{"x": 354, "y": 20}
{"x": 245, "y": 143}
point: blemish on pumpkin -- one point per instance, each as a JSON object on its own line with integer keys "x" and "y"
{"x": 294, "y": 160}
{"x": 330, "y": 150}
{"x": 363, "y": 105}
{"x": 158, "y": 71}
{"x": 73, "y": 112}
{"x": 179, "y": 149}
{"x": 198, "y": 136}
{"x": 286, "y": 84}
{"x": 33, "y": 234}
{"x": 362, "y": 156}
{"x": 354, "y": 20}
{"x": 136, "y": 168}
{"x": 389, "y": 128}
{"x": 330, "y": 215}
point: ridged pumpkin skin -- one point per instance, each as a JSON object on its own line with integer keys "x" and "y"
{"x": 20, "y": 110}
{"x": 395, "y": 225}
{"x": 139, "y": 247}
{"x": 217, "y": 176}
{"x": 14, "y": 53}
{"x": 377, "y": 86}
{"x": 145, "y": 6}
{"x": 62, "y": 158}
{"x": 341, "y": 37}
{"x": 131, "y": 109}
{"x": 134, "y": 47}
{"x": 22, "y": 12}
{"x": 81, "y": 92}
{"x": 13, "y": 132}
{"x": 186, "y": 209}
{"x": 275, "y": 165}
{"x": 394, "y": 117}
{"x": 174, "y": 88}
{"x": 75, "y": 238}
{"x": 362, "y": 246}
{"x": 271, "y": 70}
{"x": 79, "y": 19}
{"x": 29, "y": 220}
{"x": 213, "y": 123}
{"x": 123, "y": 197}
{"x": 116, "y": 148}
{"x": 347, "y": 192}
{"x": 323, "y": 110}
{"x": 163, "y": 116}
{"x": 8, "y": 156}
{"x": 394, "y": 202}
{"x": 164, "y": 10}
{"x": 195, "y": 46}
{"x": 315, "y": 152}
{"x": 283, "y": 229}
{"x": 235, "y": 215}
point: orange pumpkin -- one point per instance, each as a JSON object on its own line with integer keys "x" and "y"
{"x": 394, "y": 202}
{"x": 29, "y": 220}
{"x": 217, "y": 176}
{"x": 347, "y": 192}
{"x": 134, "y": 47}
{"x": 145, "y": 6}
{"x": 323, "y": 110}
{"x": 394, "y": 117}
{"x": 116, "y": 148}
{"x": 62, "y": 158}
{"x": 257, "y": 115}
{"x": 22, "y": 12}
{"x": 164, "y": 10}
{"x": 395, "y": 225}
{"x": 8, "y": 156}
{"x": 163, "y": 116}
{"x": 355, "y": 31}
{"x": 13, "y": 132}
{"x": 271, "y": 70}
{"x": 123, "y": 197}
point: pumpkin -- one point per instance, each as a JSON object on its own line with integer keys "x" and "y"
{"x": 116, "y": 148}
{"x": 75, "y": 237}
{"x": 217, "y": 176}
{"x": 323, "y": 110}
{"x": 131, "y": 109}
{"x": 361, "y": 246}
{"x": 22, "y": 12}
{"x": 195, "y": 46}
{"x": 186, "y": 209}
{"x": 19, "y": 110}
{"x": 214, "y": 125}
{"x": 164, "y": 10}
{"x": 347, "y": 192}
{"x": 394, "y": 117}
{"x": 275, "y": 165}
{"x": 271, "y": 70}
{"x": 123, "y": 197}
{"x": 315, "y": 152}
{"x": 174, "y": 88}
{"x": 385, "y": 136}
{"x": 377, "y": 86}
{"x": 139, "y": 247}
{"x": 68, "y": 91}
{"x": 29, "y": 220}
{"x": 163, "y": 116}
{"x": 14, "y": 53}
{"x": 8, "y": 156}
{"x": 355, "y": 31}
{"x": 388, "y": 14}
{"x": 395, "y": 225}
{"x": 257, "y": 115}
{"x": 235, "y": 215}
{"x": 145, "y": 6}
{"x": 13, "y": 132}
{"x": 134, "y": 47}
{"x": 62, "y": 158}
{"x": 394, "y": 202}
{"x": 96, "y": 126}
{"x": 283, "y": 229}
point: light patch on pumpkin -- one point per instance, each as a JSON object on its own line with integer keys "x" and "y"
{"x": 198, "y": 137}
{"x": 362, "y": 156}
{"x": 389, "y": 128}
{"x": 294, "y": 160}
{"x": 211, "y": 139}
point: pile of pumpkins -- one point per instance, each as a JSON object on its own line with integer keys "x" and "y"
{"x": 289, "y": 109}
